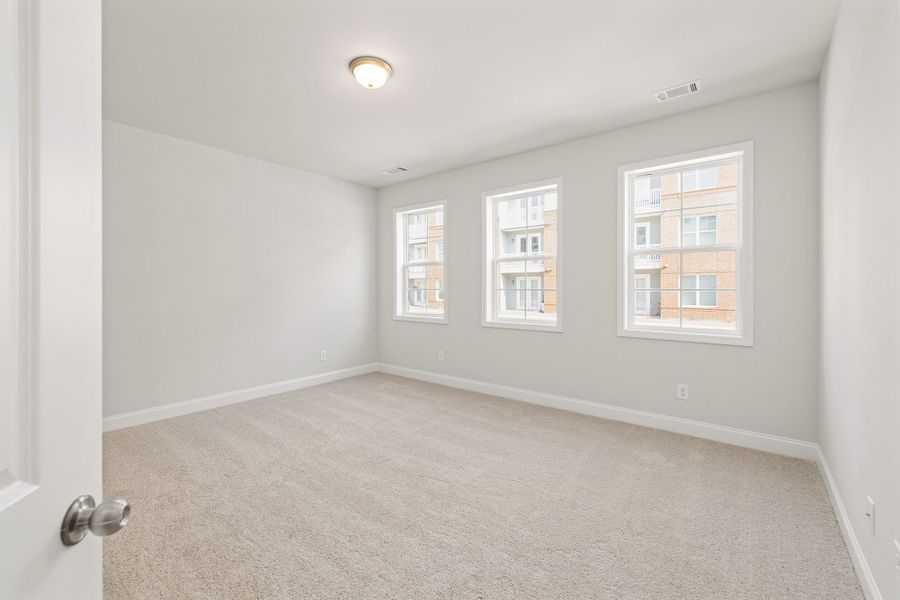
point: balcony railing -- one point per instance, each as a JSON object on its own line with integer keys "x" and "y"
{"x": 516, "y": 219}
{"x": 533, "y": 267}
{"x": 646, "y": 260}
{"x": 648, "y": 201}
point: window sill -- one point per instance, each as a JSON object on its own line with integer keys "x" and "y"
{"x": 413, "y": 319}
{"x": 703, "y": 337}
{"x": 552, "y": 328}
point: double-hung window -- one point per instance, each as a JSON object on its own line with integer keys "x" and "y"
{"x": 420, "y": 292}
{"x": 685, "y": 247}
{"x": 522, "y": 244}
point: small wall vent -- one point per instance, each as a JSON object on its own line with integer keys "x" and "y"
{"x": 395, "y": 171}
{"x": 685, "y": 89}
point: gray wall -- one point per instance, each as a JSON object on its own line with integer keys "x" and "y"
{"x": 771, "y": 387}
{"x": 223, "y": 272}
{"x": 859, "y": 428}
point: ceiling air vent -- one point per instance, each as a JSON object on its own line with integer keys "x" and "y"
{"x": 685, "y": 89}
{"x": 395, "y": 171}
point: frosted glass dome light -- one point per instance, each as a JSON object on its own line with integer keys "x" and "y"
{"x": 370, "y": 72}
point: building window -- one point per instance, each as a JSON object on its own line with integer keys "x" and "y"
{"x": 699, "y": 231}
{"x": 522, "y": 279}
{"x": 698, "y": 291}
{"x": 420, "y": 293}
{"x": 698, "y": 179}
{"x": 686, "y": 247}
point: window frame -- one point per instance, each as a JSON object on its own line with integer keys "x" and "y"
{"x": 400, "y": 242}
{"x": 744, "y": 254}
{"x": 487, "y": 258}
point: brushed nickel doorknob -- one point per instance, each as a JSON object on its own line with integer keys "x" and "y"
{"x": 84, "y": 515}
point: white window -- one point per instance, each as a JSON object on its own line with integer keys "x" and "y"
{"x": 420, "y": 292}
{"x": 523, "y": 256}
{"x": 685, "y": 247}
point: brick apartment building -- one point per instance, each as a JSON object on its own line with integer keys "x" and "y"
{"x": 426, "y": 244}
{"x": 708, "y": 218}
{"x": 527, "y": 227}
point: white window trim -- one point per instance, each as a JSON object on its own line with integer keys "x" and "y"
{"x": 487, "y": 293}
{"x": 399, "y": 241}
{"x": 743, "y": 334}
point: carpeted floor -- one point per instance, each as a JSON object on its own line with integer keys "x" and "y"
{"x": 388, "y": 488}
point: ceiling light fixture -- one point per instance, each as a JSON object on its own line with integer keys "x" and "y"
{"x": 370, "y": 72}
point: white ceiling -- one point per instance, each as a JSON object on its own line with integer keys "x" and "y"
{"x": 473, "y": 79}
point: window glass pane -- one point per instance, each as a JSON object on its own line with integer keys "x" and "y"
{"x": 420, "y": 241}
{"x": 540, "y": 304}
{"x": 522, "y": 226}
{"x": 417, "y": 252}
{"x": 647, "y": 194}
{"x": 689, "y": 298}
{"x": 547, "y": 228}
{"x": 716, "y": 269}
{"x": 690, "y": 180}
{"x": 510, "y": 301}
{"x": 695, "y": 209}
{"x": 416, "y": 226}
{"x": 546, "y": 200}
{"x": 508, "y": 275}
{"x": 510, "y": 213}
{"x": 712, "y": 186}
{"x": 706, "y": 178}
{"x": 714, "y": 310}
{"x": 424, "y": 290}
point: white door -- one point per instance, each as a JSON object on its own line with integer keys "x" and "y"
{"x": 641, "y": 296}
{"x": 50, "y": 294}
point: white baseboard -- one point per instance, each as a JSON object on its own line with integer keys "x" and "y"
{"x": 866, "y": 578}
{"x": 709, "y": 431}
{"x": 176, "y": 409}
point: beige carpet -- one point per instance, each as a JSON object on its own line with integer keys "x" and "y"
{"x": 384, "y": 487}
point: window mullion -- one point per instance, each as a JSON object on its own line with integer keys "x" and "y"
{"x": 681, "y": 253}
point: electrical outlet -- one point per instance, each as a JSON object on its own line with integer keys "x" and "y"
{"x": 681, "y": 391}
{"x": 441, "y": 355}
{"x": 323, "y": 355}
{"x": 870, "y": 512}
